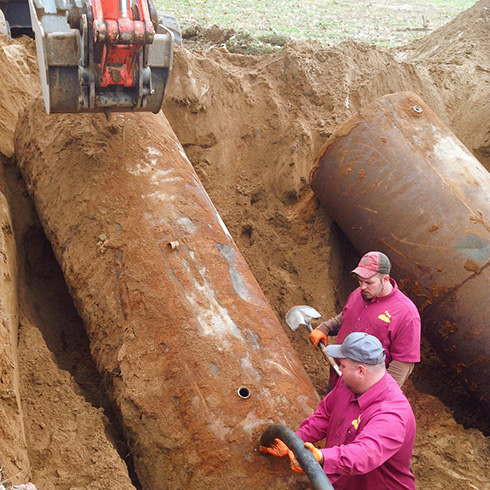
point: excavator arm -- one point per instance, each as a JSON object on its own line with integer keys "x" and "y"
{"x": 102, "y": 55}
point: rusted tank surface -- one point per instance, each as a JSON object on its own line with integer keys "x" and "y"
{"x": 396, "y": 179}
{"x": 197, "y": 361}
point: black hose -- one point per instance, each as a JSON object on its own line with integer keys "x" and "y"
{"x": 310, "y": 465}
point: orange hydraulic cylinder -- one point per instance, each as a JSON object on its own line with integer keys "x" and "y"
{"x": 196, "y": 359}
{"x": 396, "y": 179}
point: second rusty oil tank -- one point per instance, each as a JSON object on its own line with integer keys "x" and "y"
{"x": 396, "y": 179}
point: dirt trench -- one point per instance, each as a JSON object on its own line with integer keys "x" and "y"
{"x": 251, "y": 126}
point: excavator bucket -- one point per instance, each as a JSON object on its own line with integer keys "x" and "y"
{"x": 102, "y": 55}
{"x": 14, "y": 18}
{"x": 4, "y": 26}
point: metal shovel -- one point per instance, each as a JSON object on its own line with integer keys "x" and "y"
{"x": 302, "y": 315}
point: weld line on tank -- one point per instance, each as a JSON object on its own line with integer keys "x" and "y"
{"x": 450, "y": 292}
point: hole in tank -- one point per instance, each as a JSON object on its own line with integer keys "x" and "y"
{"x": 243, "y": 392}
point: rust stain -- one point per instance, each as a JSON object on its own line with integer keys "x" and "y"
{"x": 459, "y": 368}
{"x": 437, "y": 291}
{"x": 415, "y": 244}
{"x": 478, "y": 218}
{"x": 399, "y": 252}
{"x": 433, "y": 228}
{"x": 471, "y": 265}
{"x": 368, "y": 209}
{"x": 447, "y": 328}
{"x": 472, "y": 334}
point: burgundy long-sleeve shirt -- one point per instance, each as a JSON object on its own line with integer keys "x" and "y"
{"x": 369, "y": 439}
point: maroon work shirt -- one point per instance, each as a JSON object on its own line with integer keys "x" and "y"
{"x": 393, "y": 319}
{"x": 368, "y": 439}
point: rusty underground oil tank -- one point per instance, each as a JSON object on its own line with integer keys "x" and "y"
{"x": 197, "y": 362}
{"x": 396, "y": 179}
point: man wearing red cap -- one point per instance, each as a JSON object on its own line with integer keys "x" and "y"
{"x": 378, "y": 308}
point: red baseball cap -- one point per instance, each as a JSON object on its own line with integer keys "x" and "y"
{"x": 373, "y": 263}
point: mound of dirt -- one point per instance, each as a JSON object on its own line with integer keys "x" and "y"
{"x": 456, "y": 59}
{"x": 19, "y": 82}
{"x": 251, "y": 127}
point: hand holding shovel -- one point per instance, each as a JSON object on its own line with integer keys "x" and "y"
{"x": 302, "y": 315}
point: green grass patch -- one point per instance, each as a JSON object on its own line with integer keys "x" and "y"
{"x": 386, "y": 23}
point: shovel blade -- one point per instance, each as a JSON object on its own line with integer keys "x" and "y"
{"x": 300, "y": 315}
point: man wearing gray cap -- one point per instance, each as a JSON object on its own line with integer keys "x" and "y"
{"x": 379, "y": 308}
{"x": 366, "y": 420}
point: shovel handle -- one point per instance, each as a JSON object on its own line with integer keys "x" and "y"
{"x": 329, "y": 359}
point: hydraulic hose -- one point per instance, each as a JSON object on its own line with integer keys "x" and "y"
{"x": 310, "y": 465}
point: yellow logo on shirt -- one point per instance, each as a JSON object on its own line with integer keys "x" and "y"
{"x": 356, "y": 422}
{"x": 385, "y": 317}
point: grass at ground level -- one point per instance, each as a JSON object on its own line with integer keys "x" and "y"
{"x": 386, "y": 23}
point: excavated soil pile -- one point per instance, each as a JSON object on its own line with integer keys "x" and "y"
{"x": 251, "y": 126}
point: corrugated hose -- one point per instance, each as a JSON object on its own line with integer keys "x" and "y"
{"x": 310, "y": 465}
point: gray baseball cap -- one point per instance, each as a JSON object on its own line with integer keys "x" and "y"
{"x": 360, "y": 347}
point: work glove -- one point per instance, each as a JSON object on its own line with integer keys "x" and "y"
{"x": 316, "y": 336}
{"x": 277, "y": 448}
{"x": 294, "y": 462}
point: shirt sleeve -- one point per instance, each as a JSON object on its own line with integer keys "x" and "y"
{"x": 380, "y": 438}
{"x": 314, "y": 428}
{"x": 405, "y": 344}
{"x": 331, "y": 327}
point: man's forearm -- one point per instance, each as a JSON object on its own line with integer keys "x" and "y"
{"x": 400, "y": 371}
{"x": 332, "y": 326}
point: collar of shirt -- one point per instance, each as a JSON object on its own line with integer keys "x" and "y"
{"x": 373, "y": 393}
{"x": 377, "y": 299}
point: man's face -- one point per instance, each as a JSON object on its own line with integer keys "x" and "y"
{"x": 372, "y": 286}
{"x": 350, "y": 375}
